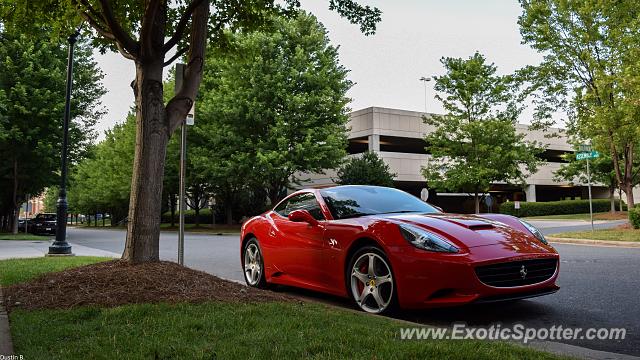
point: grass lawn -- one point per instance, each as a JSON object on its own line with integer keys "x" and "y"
{"x": 23, "y": 236}
{"x": 602, "y": 234}
{"x": 585, "y": 217}
{"x": 222, "y": 330}
{"x": 13, "y": 271}
{"x": 232, "y": 331}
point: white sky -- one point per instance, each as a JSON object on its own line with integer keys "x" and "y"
{"x": 411, "y": 39}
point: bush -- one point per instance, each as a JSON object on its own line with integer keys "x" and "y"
{"x": 556, "y": 207}
{"x": 634, "y": 217}
{"x": 189, "y": 217}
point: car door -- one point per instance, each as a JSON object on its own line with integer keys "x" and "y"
{"x": 300, "y": 244}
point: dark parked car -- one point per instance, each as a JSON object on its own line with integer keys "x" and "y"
{"x": 21, "y": 224}
{"x": 43, "y": 224}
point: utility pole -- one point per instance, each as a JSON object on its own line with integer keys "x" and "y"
{"x": 60, "y": 246}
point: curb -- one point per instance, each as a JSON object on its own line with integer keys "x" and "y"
{"x": 578, "y": 352}
{"x": 627, "y": 244}
{"x": 6, "y": 345}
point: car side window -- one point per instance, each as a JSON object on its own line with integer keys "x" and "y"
{"x": 306, "y": 201}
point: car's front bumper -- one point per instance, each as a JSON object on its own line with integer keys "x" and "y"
{"x": 425, "y": 279}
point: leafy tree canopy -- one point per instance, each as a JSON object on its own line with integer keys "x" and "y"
{"x": 476, "y": 142}
{"x": 273, "y": 109}
{"x": 32, "y": 96}
{"x": 591, "y": 69}
{"x": 368, "y": 169}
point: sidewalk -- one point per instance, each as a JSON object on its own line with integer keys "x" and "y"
{"x": 6, "y": 345}
{"x": 10, "y": 249}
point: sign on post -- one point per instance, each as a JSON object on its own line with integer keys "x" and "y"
{"x": 424, "y": 194}
{"x": 587, "y": 155}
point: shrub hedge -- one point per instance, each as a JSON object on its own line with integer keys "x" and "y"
{"x": 556, "y": 207}
{"x": 634, "y": 217}
{"x": 190, "y": 217}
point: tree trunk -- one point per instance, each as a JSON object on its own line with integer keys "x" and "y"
{"x": 612, "y": 197}
{"x": 273, "y": 197}
{"x": 152, "y": 135}
{"x": 197, "y": 212}
{"x": 620, "y": 197}
{"x": 229, "y": 212}
{"x": 476, "y": 200}
{"x": 628, "y": 190}
{"x": 16, "y": 206}
{"x": 155, "y": 123}
{"x": 173, "y": 205}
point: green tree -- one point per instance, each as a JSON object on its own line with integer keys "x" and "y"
{"x": 148, "y": 32}
{"x": 591, "y": 69}
{"x": 272, "y": 110}
{"x": 368, "y": 169}
{"x": 101, "y": 183}
{"x": 475, "y": 143}
{"x": 32, "y": 84}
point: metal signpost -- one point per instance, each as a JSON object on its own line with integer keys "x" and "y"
{"x": 585, "y": 154}
{"x": 183, "y": 157}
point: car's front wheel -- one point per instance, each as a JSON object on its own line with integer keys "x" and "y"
{"x": 371, "y": 282}
{"x": 253, "y": 264}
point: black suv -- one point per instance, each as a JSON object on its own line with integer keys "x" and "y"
{"x": 43, "y": 224}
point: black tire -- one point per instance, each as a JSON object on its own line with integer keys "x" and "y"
{"x": 370, "y": 249}
{"x": 262, "y": 282}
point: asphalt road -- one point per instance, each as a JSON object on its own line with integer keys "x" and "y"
{"x": 599, "y": 286}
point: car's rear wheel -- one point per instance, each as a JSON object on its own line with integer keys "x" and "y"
{"x": 253, "y": 264}
{"x": 371, "y": 283}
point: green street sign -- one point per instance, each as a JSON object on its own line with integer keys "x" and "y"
{"x": 587, "y": 155}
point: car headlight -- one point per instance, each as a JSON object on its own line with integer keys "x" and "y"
{"x": 425, "y": 240}
{"x": 534, "y": 230}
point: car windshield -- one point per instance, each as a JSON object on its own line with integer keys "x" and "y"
{"x": 46, "y": 217}
{"x": 352, "y": 201}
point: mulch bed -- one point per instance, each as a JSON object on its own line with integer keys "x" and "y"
{"x": 114, "y": 283}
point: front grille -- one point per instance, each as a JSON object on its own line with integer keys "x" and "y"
{"x": 510, "y": 274}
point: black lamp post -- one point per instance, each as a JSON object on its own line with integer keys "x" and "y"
{"x": 61, "y": 246}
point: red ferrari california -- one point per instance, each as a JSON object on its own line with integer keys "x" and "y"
{"x": 383, "y": 248}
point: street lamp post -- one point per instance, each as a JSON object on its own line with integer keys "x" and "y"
{"x": 60, "y": 246}
{"x": 425, "y": 80}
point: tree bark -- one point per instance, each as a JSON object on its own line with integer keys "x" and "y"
{"x": 229, "y": 213}
{"x": 173, "y": 205}
{"x": 628, "y": 190}
{"x": 620, "y": 197}
{"x": 154, "y": 121}
{"x": 612, "y": 197}
{"x": 152, "y": 135}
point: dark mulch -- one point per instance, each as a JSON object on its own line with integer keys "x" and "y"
{"x": 117, "y": 282}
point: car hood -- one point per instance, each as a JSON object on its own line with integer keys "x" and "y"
{"x": 472, "y": 231}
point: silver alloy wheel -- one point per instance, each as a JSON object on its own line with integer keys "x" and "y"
{"x": 372, "y": 283}
{"x": 252, "y": 264}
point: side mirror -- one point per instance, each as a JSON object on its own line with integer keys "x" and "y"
{"x": 302, "y": 216}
